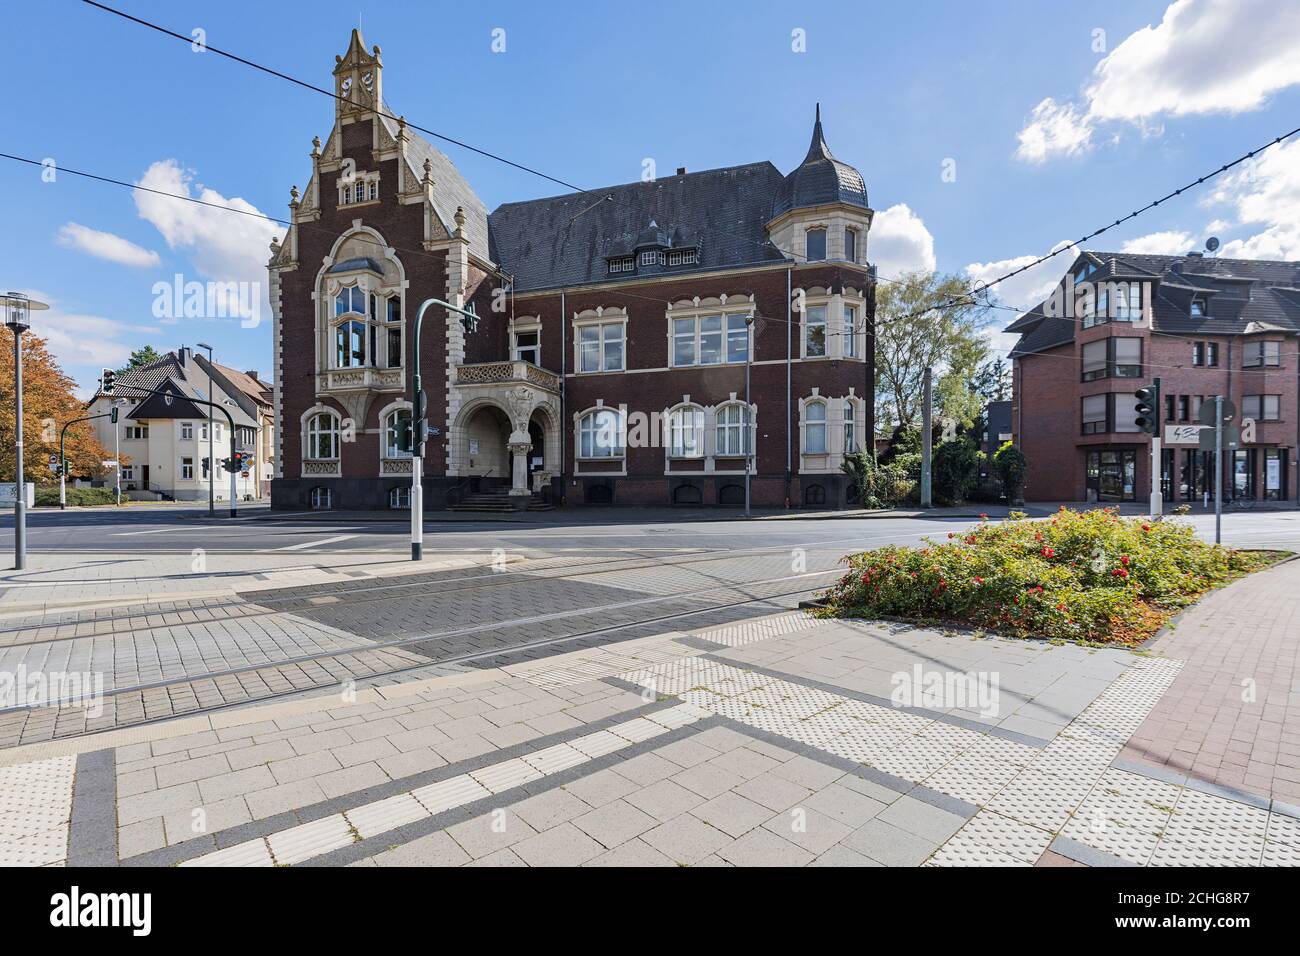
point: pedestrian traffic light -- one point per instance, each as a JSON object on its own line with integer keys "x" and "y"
{"x": 107, "y": 381}
{"x": 207, "y": 465}
{"x": 1147, "y": 408}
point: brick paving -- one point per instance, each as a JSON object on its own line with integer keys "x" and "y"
{"x": 1232, "y": 717}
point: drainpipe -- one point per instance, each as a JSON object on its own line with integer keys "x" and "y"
{"x": 789, "y": 330}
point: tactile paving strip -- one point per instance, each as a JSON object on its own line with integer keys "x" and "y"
{"x": 36, "y": 800}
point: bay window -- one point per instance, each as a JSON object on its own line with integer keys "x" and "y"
{"x": 814, "y": 334}
{"x": 814, "y": 435}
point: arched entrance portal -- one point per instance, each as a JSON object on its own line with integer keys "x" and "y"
{"x": 515, "y": 442}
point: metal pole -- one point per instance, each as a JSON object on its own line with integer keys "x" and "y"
{"x": 117, "y": 458}
{"x": 1218, "y": 469}
{"x": 20, "y": 496}
{"x": 1157, "y": 464}
{"x": 927, "y": 400}
{"x": 212, "y": 464}
{"x": 749, "y": 429}
{"x": 417, "y": 456}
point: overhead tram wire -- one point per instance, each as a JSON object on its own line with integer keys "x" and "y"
{"x": 954, "y": 302}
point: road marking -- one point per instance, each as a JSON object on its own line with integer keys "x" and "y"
{"x": 317, "y": 544}
{"x": 208, "y": 527}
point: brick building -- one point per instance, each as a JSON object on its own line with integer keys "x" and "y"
{"x": 609, "y": 362}
{"x": 1205, "y": 327}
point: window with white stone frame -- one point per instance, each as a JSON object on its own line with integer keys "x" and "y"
{"x": 814, "y": 332}
{"x": 397, "y": 434}
{"x": 601, "y": 434}
{"x": 734, "y": 431}
{"x": 323, "y": 437}
{"x": 832, "y": 323}
{"x": 686, "y": 432}
{"x": 355, "y": 327}
{"x": 814, "y": 434}
{"x": 599, "y": 344}
{"x": 526, "y": 341}
{"x": 358, "y": 188}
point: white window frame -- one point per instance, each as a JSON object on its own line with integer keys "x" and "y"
{"x": 726, "y": 443}
{"x": 809, "y": 325}
{"x": 588, "y": 427}
{"x": 850, "y": 427}
{"x": 608, "y": 330}
{"x": 391, "y": 433}
{"x": 187, "y": 469}
{"x": 850, "y": 348}
{"x": 686, "y": 431}
{"x": 187, "y": 431}
{"x": 316, "y": 429}
{"x": 815, "y": 426}
{"x": 321, "y": 498}
{"x": 530, "y": 327}
{"x": 399, "y": 498}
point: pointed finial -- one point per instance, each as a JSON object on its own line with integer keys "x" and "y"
{"x": 315, "y": 145}
{"x": 819, "y": 112}
{"x": 460, "y": 217}
{"x": 293, "y": 196}
{"x": 428, "y": 170}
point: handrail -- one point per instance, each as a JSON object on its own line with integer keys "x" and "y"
{"x": 464, "y": 481}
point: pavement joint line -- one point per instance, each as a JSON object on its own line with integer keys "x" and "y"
{"x": 1082, "y": 853}
{"x": 92, "y": 832}
{"x": 484, "y": 656}
{"x": 441, "y": 821}
{"x": 965, "y": 723}
{"x": 1190, "y": 782}
{"x": 223, "y": 839}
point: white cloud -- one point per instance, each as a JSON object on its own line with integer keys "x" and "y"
{"x": 224, "y": 246}
{"x": 1030, "y": 287}
{"x": 105, "y": 245}
{"x": 901, "y": 243}
{"x": 1265, "y": 191}
{"x": 1205, "y": 56}
{"x": 1171, "y": 242}
{"x": 1054, "y": 128}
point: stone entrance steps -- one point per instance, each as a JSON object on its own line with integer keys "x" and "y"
{"x": 497, "y": 501}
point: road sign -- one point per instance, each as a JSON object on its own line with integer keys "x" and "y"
{"x": 1206, "y": 415}
{"x": 1231, "y": 438}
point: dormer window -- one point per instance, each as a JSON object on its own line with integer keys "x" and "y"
{"x": 623, "y": 264}
{"x": 1198, "y": 307}
{"x": 683, "y": 257}
{"x": 651, "y": 258}
{"x": 364, "y": 187}
{"x": 816, "y": 245}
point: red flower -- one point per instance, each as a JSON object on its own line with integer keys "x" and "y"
{"x": 1048, "y": 553}
{"x": 983, "y": 517}
{"x": 1146, "y": 527}
{"x": 979, "y": 580}
{"x": 1060, "y": 607}
{"x": 1123, "y": 559}
{"x": 1119, "y": 573}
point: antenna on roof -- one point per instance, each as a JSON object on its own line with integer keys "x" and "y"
{"x": 1211, "y": 245}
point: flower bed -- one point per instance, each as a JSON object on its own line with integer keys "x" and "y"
{"x": 1080, "y": 576}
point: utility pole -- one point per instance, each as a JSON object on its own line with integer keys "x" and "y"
{"x": 1218, "y": 469}
{"x": 927, "y": 413}
{"x": 212, "y": 464}
{"x": 748, "y": 433}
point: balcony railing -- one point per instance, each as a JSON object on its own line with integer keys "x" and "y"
{"x": 356, "y": 379}
{"x": 495, "y": 373}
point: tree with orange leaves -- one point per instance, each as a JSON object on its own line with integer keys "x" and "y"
{"x": 49, "y": 403}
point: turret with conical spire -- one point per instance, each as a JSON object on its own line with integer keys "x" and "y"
{"x": 820, "y": 179}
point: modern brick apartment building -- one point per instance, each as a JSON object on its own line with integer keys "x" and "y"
{"x": 609, "y": 362}
{"x": 1205, "y": 327}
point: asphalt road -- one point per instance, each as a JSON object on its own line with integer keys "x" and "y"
{"x": 158, "y": 531}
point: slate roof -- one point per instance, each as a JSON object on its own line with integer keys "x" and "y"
{"x": 1241, "y": 296}
{"x": 189, "y": 381}
{"x": 565, "y": 240}
{"x": 820, "y": 179}
{"x": 450, "y": 190}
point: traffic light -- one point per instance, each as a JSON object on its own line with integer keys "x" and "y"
{"x": 207, "y": 465}
{"x": 112, "y": 414}
{"x": 107, "y": 381}
{"x": 420, "y": 424}
{"x": 1148, "y": 409}
{"x": 230, "y": 464}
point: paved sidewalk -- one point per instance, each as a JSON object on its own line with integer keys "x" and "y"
{"x": 773, "y": 741}
{"x": 1232, "y": 717}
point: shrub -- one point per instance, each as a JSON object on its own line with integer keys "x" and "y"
{"x": 1009, "y": 462}
{"x": 879, "y": 485}
{"x": 956, "y": 467}
{"x": 48, "y": 496}
{"x": 1089, "y": 576}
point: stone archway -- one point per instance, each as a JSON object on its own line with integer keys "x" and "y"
{"x": 482, "y": 439}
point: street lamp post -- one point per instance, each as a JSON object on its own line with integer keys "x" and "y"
{"x": 749, "y": 430}
{"x": 419, "y": 425}
{"x": 18, "y": 308}
{"x": 212, "y": 465}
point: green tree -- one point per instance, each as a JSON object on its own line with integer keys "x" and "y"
{"x": 1009, "y": 462}
{"x": 913, "y": 333}
{"x": 49, "y": 403}
{"x": 956, "y": 467}
{"x": 144, "y": 356}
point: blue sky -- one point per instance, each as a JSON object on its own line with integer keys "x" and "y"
{"x": 1051, "y": 127}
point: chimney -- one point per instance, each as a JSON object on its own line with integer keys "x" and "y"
{"x": 183, "y": 356}
{"x": 253, "y": 375}
{"x": 681, "y": 170}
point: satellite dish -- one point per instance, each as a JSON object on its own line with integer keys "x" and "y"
{"x": 1211, "y": 244}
